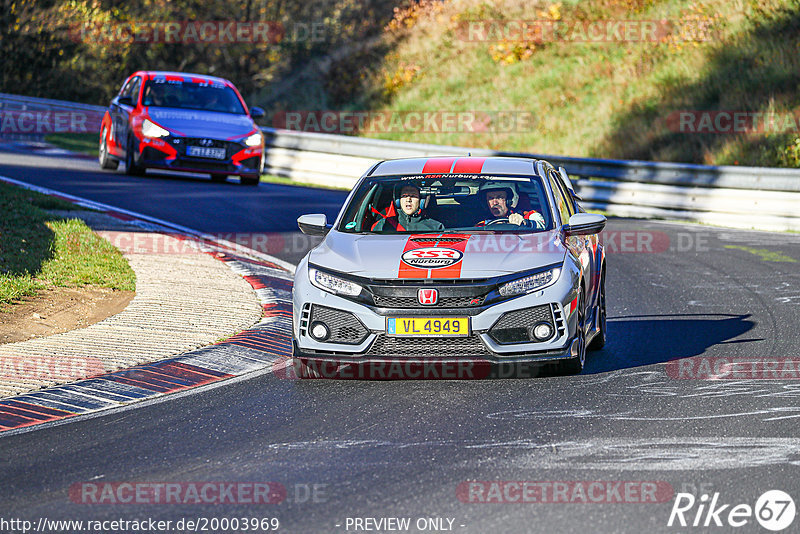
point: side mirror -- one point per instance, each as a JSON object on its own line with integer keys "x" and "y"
{"x": 125, "y": 101}
{"x": 314, "y": 224}
{"x": 585, "y": 224}
{"x": 256, "y": 112}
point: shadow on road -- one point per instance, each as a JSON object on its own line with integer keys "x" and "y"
{"x": 640, "y": 340}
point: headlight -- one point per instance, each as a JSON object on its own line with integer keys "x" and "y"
{"x": 150, "y": 129}
{"x": 253, "y": 140}
{"x": 530, "y": 283}
{"x": 333, "y": 284}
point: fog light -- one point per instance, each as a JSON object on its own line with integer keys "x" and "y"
{"x": 319, "y": 331}
{"x": 542, "y": 331}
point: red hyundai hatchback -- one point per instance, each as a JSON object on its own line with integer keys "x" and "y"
{"x": 182, "y": 122}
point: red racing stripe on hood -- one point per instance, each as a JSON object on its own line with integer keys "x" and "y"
{"x": 453, "y": 271}
{"x": 448, "y": 241}
{"x": 408, "y": 271}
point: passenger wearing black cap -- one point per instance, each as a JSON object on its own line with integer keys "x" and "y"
{"x": 411, "y": 216}
{"x": 499, "y": 199}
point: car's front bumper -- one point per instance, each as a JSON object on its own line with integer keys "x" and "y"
{"x": 372, "y": 344}
{"x": 170, "y": 154}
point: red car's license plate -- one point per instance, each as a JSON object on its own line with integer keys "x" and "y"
{"x": 205, "y": 152}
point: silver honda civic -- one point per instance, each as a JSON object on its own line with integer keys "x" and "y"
{"x": 451, "y": 267}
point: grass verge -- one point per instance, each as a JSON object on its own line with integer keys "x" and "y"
{"x": 569, "y": 92}
{"x": 84, "y": 143}
{"x": 39, "y": 250}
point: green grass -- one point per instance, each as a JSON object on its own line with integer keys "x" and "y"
{"x": 764, "y": 254}
{"x": 84, "y": 143}
{"x": 607, "y": 99}
{"x": 38, "y": 250}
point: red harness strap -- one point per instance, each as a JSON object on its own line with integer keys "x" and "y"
{"x": 390, "y": 216}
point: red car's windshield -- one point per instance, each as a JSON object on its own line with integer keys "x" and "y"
{"x": 191, "y": 95}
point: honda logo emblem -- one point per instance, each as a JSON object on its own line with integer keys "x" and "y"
{"x": 428, "y": 297}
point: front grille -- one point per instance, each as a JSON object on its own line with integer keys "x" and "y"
{"x": 344, "y": 327}
{"x": 196, "y": 141}
{"x": 413, "y": 302}
{"x": 404, "y": 347}
{"x": 513, "y": 327}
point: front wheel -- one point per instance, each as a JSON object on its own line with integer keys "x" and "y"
{"x": 131, "y": 168}
{"x": 250, "y": 179}
{"x": 106, "y": 162}
{"x": 599, "y": 340}
{"x": 574, "y": 365}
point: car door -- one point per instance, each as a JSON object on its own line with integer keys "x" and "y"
{"x": 121, "y": 108}
{"x": 585, "y": 247}
{"x": 114, "y": 111}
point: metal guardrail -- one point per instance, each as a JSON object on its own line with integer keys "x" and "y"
{"x": 17, "y": 102}
{"x": 27, "y": 117}
{"x": 736, "y": 177}
{"x": 743, "y": 197}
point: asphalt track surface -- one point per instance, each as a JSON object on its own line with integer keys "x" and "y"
{"x": 403, "y": 449}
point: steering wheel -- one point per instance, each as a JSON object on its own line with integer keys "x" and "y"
{"x": 501, "y": 220}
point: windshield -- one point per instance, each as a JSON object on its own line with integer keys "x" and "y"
{"x": 448, "y": 202}
{"x": 207, "y": 96}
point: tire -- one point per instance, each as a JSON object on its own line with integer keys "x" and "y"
{"x": 599, "y": 339}
{"x": 106, "y": 162}
{"x": 251, "y": 179}
{"x": 573, "y": 366}
{"x": 131, "y": 168}
{"x": 219, "y": 178}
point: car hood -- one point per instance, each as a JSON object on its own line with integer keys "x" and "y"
{"x": 197, "y": 123}
{"x": 478, "y": 256}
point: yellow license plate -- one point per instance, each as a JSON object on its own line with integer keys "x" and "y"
{"x": 427, "y": 326}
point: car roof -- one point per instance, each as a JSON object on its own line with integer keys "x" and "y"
{"x": 456, "y": 165}
{"x": 182, "y": 76}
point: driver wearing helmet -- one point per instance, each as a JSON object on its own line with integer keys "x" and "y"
{"x": 411, "y": 215}
{"x": 501, "y": 199}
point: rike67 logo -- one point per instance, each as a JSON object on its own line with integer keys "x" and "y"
{"x": 774, "y": 510}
